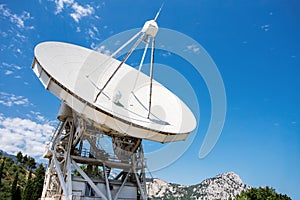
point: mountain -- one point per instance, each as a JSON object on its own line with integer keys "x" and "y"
{"x": 3, "y": 153}
{"x": 224, "y": 186}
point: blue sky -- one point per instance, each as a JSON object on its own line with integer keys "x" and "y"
{"x": 255, "y": 45}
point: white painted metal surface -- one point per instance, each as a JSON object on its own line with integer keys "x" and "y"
{"x": 76, "y": 74}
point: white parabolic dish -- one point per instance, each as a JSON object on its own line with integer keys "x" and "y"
{"x": 76, "y": 74}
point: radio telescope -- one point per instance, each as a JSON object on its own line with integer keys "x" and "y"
{"x": 107, "y": 109}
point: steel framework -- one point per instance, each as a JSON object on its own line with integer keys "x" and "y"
{"x": 80, "y": 167}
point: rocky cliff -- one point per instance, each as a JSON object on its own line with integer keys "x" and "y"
{"x": 223, "y": 186}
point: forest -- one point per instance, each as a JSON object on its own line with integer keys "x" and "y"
{"x": 21, "y": 178}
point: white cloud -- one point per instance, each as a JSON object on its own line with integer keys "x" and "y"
{"x": 40, "y": 118}
{"x": 3, "y": 34}
{"x": 95, "y": 29}
{"x": 12, "y": 99}
{"x": 193, "y": 47}
{"x": 265, "y": 27}
{"x": 166, "y": 54}
{"x": 91, "y": 33}
{"x": 100, "y": 49}
{"x": 18, "y": 20}
{"x": 17, "y": 67}
{"x": 61, "y": 3}
{"x": 37, "y": 116}
{"x": 8, "y": 72}
{"x": 24, "y": 135}
{"x": 20, "y": 36}
{"x": 80, "y": 11}
{"x": 10, "y": 68}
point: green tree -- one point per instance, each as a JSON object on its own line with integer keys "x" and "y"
{"x": 14, "y": 188}
{"x": 34, "y": 186}
{"x": 28, "y": 190}
{"x": 39, "y": 181}
{"x": 12, "y": 183}
{"x": 1, "y": 169}
{"x": 17, "y": 195}
{"x": 262, "y": 193}
{"x": 25, "y": 160}
{"x": 19, "y": 157}
{"x": 31, "y": 164}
